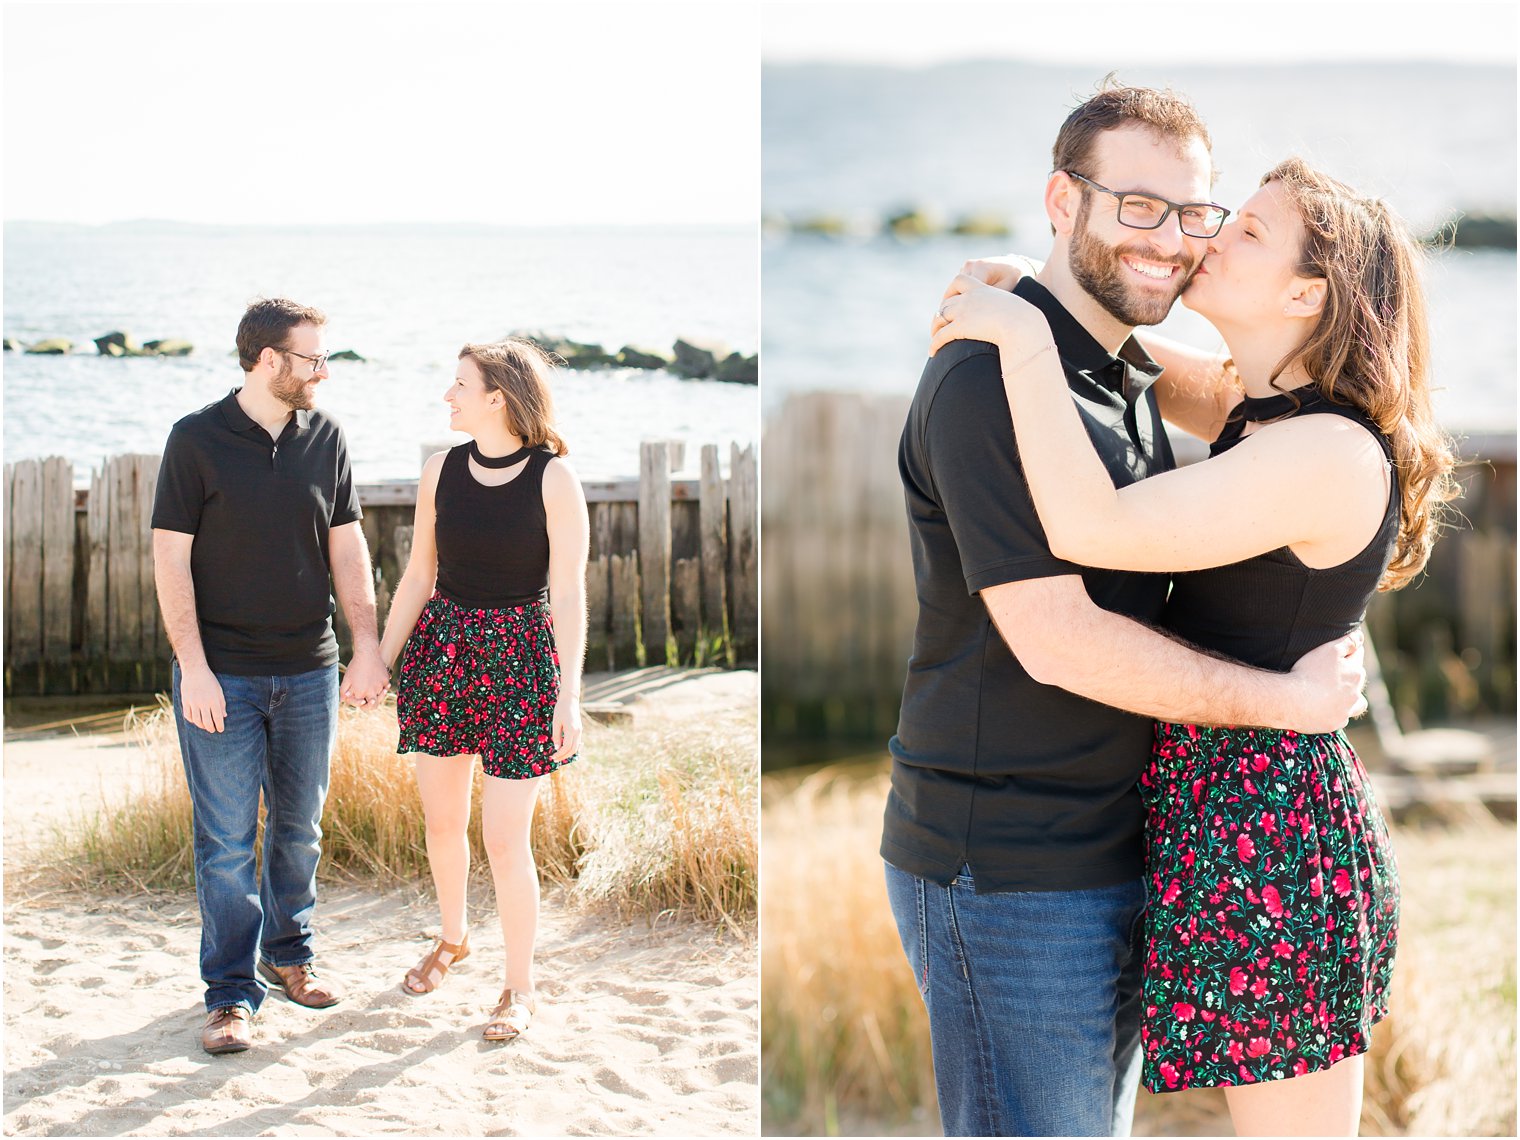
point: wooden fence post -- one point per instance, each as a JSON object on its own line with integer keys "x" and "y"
{"x": 714, "y": 539}
{"x": 96, "y": 639}
{"x": 24, "y": 600}
{"x": 743, "y": 521}
{"x": 8, "y": 534}
{"x": 57, "y": 485}
{"x": 623, "y": 644}
{"x": 654, "y": 550}
{"x": 598, "y": 598}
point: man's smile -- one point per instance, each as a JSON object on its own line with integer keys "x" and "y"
{"x": 1153, "y": 270}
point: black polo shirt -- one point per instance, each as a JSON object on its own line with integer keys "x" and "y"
{"x": 1032, "y": 786}
{"x": 260, "y": 510}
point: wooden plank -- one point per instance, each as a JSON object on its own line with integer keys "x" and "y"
{"x": 623, "y": 642}
{"x": 743, "y": 520}
{"x": 713, "y": 539}
{"x": 57, "y": 567}
{"x": 97, "y": 527}
{"x": 155, "y": 656}
{"x": 7, "y": 533}
{"x": 625, "y": 527}
{"x": 598, "y": 602}
{"x": 685, "y": 530}
{"x": 686, "y": 609}
{"x": 123, "y": 627}
{"x": 654, "y": 549}
{"x": 601, "y": 530}
{"x": 402, "y": 538}
{"x": 24, "y": 602}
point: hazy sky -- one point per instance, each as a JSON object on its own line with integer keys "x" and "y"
{"x": 1149, "y": 32}
{"x": 507, "y": 113}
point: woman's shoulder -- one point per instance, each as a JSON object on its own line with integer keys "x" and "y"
{"x": 1328, "y": 445}
{"x": 557, "y": 469}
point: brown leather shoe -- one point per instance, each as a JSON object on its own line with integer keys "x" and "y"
{"x": 227, "y": 1030}
{"x": 301, "y": 985}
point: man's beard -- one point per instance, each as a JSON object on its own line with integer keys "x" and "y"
{"x": 1097, "y": 267}
{"x": 288, "y": 390}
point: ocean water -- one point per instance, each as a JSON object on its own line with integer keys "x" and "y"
{"x": 404, "y": 297}
{"x": 853, "y": 314}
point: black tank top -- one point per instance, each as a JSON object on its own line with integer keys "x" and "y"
{"x": 1268, "y": 611}
{"x": 493, "y": 542}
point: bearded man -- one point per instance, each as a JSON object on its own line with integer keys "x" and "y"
{"x": 1012, "y": 837}
{"x": 255, "y": 511}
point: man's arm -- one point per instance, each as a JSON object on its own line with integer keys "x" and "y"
{"x": 201, "y": 698}
{"x": 366, "y": 678}
{"x": 1061, "y": 637}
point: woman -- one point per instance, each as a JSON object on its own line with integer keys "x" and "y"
{"x": 499, "y": 520}
{"x": 1272, "y": 892}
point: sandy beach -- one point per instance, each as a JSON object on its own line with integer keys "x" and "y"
{"x": 641, "y": 1029}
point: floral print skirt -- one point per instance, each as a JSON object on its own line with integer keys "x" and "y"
{"x": 481, "y": 682}
{"x": 1272, "y": 906}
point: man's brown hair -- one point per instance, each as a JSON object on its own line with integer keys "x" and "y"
{"x": 1166, "y": 113}
{"x": 267, "y": 324}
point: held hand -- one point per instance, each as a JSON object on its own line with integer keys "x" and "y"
{"x": 1332, "y": 678}
{"x": 566, "y": 732}
{"x": 974, "y": 311}
{"x": 999, "y": 272}
{"x": 201, "y": 699}
{"x": 366, "y": 679}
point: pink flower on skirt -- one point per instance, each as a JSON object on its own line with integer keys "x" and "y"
{"x": 1273, "y": 901}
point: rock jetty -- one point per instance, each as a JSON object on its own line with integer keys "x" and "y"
{"x": 693, "y": 359}
{"x": 908, "y": 223}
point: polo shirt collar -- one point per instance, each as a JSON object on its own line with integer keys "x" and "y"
{"x": 239, "y": 420}
{"x": 1129, "y": 372}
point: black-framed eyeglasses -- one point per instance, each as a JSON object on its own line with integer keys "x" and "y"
{"x": 1148, "y": 212}
{"x": 318, "y": 362}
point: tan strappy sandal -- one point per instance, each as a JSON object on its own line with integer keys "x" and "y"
{"x": 512, "y": 1015}
{"x": 430, "y": 972}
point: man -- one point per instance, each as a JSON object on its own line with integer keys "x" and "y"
{"x": 255, "y": 509}
{"x": 1012, "y": 832}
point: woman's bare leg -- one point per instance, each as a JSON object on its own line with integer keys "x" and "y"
{"x": 508, "y": 808}
{"x": 1326, "y": 1103}
{"x": 445, "y": 782}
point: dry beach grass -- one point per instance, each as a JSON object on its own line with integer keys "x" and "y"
{"x": 647, "y": 956}
{"x": 845, "y": 1044}
{"x": 651, "y": 820}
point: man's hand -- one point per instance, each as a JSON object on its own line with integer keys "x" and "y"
{"x": 566, "y": 733}
{"x": 201, "y": 699}
{"x": 366, "y": 679}
{"x": 1332, "y": 678}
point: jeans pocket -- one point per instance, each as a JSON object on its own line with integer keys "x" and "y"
{"x": 906, "y": 893}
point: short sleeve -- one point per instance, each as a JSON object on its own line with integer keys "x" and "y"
{"x": 979, "y": 482}
{"x": 345, "y": 505}
{"x": 181, "y": 491}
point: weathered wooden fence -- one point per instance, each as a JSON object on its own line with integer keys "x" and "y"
{"x": 839, "y": 604}
{"x": 672, "y": 576}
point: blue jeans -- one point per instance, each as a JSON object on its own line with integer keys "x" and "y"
{"x": 1033, "y": 1000}
{"x": 278, "y": 739}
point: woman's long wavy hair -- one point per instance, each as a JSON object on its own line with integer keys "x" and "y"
{"x": 521, "y": 371}
{"x": 1371, "y": 347}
